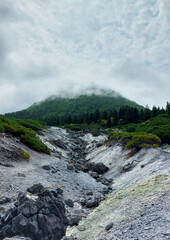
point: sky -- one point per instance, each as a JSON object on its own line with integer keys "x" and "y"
{"x": 50, "y": 46}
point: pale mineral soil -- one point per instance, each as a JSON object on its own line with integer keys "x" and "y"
{"x": 138, "y": 206}
{"x": 20, "y": 174}
{"x": 25, "y": 173}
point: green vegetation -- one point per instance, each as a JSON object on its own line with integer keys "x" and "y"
{"x": 82, "y": 109}
{"x": 137, "y": 140}
{"x": 168, "y": 108}
{"x": 78, "y": 127}
{"x": 92, "y": 112}
{"x": 25, "y": 130}
{"x": 2, "y": 129}
{"x": 159, "y": 126}
{"x": 144, "y": 145}
{"x": 24, "y": 154}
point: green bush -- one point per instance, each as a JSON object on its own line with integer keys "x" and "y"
{"x": 25, "y": 130}
{"x": 2, "y": 129}
{"x": 131, "y": 127}
{"x": 24, "y": 154}
{"x": 159, "y": 126}
{"x": 35, "y": 143}
{"x": 120, "y": 135}
{"x": 136, "y": 140}
{"x": 144, "y": 145}
{"x": 32, "y": 124}
{"x": 139, "y": 139}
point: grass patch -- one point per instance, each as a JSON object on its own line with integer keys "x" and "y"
{"x": 24, "y": 154}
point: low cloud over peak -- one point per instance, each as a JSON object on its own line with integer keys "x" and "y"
{"x": 52, "y": 46}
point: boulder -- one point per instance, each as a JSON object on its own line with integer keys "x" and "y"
{"x": 38, "y": 214}
{"x": 70, "y": 167}
{"x": 100, "y": 168}
{"x": 36, "y": 188}
{"x": 92, "y": 203}
{"x": 74, "y": 220}
{"x": 46, "y": 167}
{"x": 69, "y": 203}
{"x": 5, "y": 200}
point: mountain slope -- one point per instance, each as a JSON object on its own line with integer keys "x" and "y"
{"x": 54, "y": 107}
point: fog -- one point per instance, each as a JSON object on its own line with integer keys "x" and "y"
{"x": 53, "y": 47}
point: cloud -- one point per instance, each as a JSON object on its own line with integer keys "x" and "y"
{"x": 7, "y": 11}
{"x": 47, "y": 47}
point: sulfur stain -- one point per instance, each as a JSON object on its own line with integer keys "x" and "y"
{"x": 121, "y": 205}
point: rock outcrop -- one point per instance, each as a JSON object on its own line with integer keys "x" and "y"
{"x": 38, "y": 214}
{"x": 99, "y": 168}
{"x": 110, "y": 193}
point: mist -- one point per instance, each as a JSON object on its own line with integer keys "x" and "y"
{"x": 63, "y": 47}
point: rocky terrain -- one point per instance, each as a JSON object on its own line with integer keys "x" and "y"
{"x": 108, "y": 192}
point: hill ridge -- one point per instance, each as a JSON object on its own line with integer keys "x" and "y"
{"x": 58, "y": 107}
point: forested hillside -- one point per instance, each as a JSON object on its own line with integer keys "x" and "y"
{"x": 57, "y": 110}
{"x": 130, "y": 120}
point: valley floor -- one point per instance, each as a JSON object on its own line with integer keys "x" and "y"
{"x": 134, "y": 194}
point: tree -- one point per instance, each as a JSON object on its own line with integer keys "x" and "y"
{"x": 168, "y": 108}
{"x": 109, "y": 122}
{"x": 154, "y": 111}
{"x": 147, "y": 113}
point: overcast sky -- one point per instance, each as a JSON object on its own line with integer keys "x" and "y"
{"x": 47, "y": 46}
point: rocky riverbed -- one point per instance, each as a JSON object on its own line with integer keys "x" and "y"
{"x": 108, "y": 192}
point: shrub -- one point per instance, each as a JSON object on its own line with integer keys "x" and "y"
{"x": 24, "y": 154}
{"x": 136, "y": 140}
{"x": 159, "y": 126}
{"x": 24, "y": 130}
{"x": 131, "y": 127}
{"x": 120, "y": 135}
{"x": 35, "y": 143}
{"x": 2, "y": 129}
{"x": 139, "y": 139}
{"x": 144, "y": 145}
{"x": 32, "y": 124}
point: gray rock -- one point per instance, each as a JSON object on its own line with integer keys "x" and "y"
{"x": 40, "y": 216}
{"x": 46, "y": 167}
{"x": 4, "y": 200}
{"x": 68, "y": 238}
{"x": 92, "y": 203}
{"x": 100, "y": 168}
{"x": 59, "y": 144}
{"x": 89, "y": 193}
{"x": 95, "y": 175}
{"x": 69, "y": 203}
{"x": 36, "y": 188}
{"x": 74, "y": 220}
{"x": 70, "y": 167}
{"x": 109, "y": 226}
